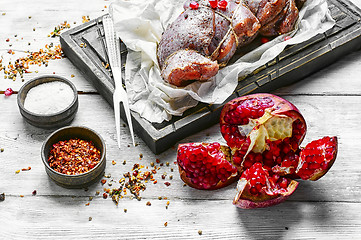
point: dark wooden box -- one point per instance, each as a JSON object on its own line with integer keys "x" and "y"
{"x": 293, "y": 64}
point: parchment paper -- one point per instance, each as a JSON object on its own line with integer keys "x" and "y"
{"x": 140, "y": 25}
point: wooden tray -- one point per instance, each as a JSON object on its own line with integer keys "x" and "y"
{"x": 293, "y": 64}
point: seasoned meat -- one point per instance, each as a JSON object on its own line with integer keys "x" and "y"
{"x": 192, "y": 29}
{"x": 266, "y": 10}
{"x": 284, "y": 22}
{"x": 186, "y": 65}
{"x": 203, "y": 38}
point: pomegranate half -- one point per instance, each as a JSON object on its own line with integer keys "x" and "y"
{"x": 263, "y": 133}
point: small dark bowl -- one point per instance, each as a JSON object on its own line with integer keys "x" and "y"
{"x": 47, "y": 121}
{"x": 79, "y": 180}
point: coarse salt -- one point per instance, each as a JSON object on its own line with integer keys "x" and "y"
{"x": 49, "y": 98}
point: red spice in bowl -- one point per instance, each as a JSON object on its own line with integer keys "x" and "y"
{"x": 73, "y": 156}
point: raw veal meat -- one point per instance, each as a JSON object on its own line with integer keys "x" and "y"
{"x": 202, "y": 39}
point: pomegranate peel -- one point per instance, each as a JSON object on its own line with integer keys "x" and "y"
{"x": 245, "y": 200}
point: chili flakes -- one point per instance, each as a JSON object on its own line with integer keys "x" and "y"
{"x": 73, "y": 156}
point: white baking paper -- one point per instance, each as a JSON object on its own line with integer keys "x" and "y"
{"x": 140, "y": 25}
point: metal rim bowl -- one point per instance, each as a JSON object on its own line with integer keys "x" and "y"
{"x": 47, "y": 121}
{"x": 79, "y": 180}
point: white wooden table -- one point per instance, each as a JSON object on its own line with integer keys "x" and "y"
{"x": 329, "y": 208}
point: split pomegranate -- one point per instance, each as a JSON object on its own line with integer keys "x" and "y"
{"x": 263, "y": 133}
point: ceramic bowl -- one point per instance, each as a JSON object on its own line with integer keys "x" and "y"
{"x": 79, "y": 180}
{"x": 58, "y": 119}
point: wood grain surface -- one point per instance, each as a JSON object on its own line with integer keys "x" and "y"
{"x": 327, "y": 209}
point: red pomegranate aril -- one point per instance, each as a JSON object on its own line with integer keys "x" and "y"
{"x": 194, "y": 5}
{"x": 264, "y": 40}
{"x": 222, "y": 4}
{"x": 213, "y": 3}
{"x": 8, "y": 92}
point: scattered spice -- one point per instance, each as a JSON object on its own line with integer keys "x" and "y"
{"x": 165, "y": 224}
{"x": 41, "y": 57}
{"x": 2, "y": 149}
{"x": 90, "y": 218}
{"x": 200, "y": 232}
{"x": 105, "y": 195}
{"x": 114, "y": 162}
{"x": 21, "y": 196}
{"x": 2, "y": 197}
{"x": 17, "y": 171}
{"x": 85, "y": 19}
{"x": 167, "y": 184}
{"x": 125, "y": 210}
{"x": 73, "y": 156}
{"x": 148, "y": 204}
{"x": 26, "y": 169}
{"x": 59, "y": 28}
{"x": 103, "y": 181}
{"x": 34, "y": 193}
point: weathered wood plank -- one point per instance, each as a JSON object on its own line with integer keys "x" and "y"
{"x": 67, "y": 217}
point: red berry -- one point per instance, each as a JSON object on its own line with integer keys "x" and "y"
{"x": 8, "y": 92}
{"x": 213, "y": 3}
{"x": 222, "y": 4}
{"x": 194, "y": 5}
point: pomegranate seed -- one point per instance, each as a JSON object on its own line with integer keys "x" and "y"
{"x": 264, "y": 40}
{"x": 222, "y": 5}
{"x": 287, "y": 38}
{"x": 283, "y": 183}
{"x": 194, "y": 5}
{"x": 8, "y": 92}
{"x": 213, "y": 3}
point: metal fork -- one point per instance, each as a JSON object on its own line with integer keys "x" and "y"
{"x": 119, "y": 95}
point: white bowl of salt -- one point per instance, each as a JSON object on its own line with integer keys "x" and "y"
{"x": 48, "y": 101}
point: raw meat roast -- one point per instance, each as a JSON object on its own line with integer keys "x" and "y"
{"x": 208, "y": 32}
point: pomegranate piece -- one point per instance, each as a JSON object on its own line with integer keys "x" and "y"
{"x": 261, "y": 127}
{"x": 317, "y": 158}
{"x": 258, "y": 188}
{"x": 206, "y": 165}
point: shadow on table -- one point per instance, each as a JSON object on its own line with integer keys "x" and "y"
{"x": 274, "y": 222}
